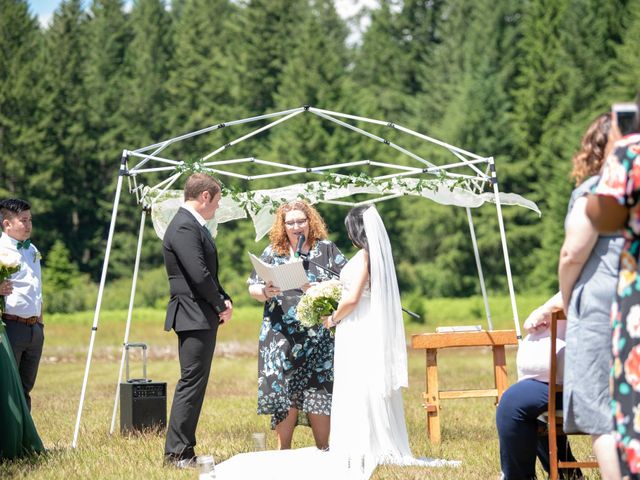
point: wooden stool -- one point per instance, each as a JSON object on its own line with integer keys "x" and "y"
{"x": 431, "y": 342}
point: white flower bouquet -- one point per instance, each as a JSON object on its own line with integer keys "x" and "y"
{"x": 9, "y": 264}
{"x": 319, "y": 301}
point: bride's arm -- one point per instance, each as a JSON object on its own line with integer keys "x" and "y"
{"x": 348, "y": 303}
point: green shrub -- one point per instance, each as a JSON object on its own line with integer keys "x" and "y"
{"x": 80, "y": 295}
{"x": 64, "y": 288}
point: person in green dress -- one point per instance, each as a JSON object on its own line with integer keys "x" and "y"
{"x": 18, "y": 435}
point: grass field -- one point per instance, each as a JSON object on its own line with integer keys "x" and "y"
{"x": 228, "y": 418}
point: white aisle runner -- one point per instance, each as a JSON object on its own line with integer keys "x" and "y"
{"x": 308, "y": 463}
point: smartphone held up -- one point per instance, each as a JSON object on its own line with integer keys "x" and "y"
{"x": 626, "y": 117}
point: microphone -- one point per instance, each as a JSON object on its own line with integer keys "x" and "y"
{"x": 301, "y": 239}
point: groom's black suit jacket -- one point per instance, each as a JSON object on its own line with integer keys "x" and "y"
{"x": 191, "y": 260}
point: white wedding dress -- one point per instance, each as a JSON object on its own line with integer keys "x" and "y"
{"x": 370, "y": 369}
{"x": 364, "y": 421}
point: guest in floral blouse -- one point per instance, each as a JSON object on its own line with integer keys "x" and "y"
{"x": 295, "y": 364}
{"x": 616, "y": 205}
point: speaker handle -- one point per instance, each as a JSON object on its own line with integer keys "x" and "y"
{"x": 142, "y": 346}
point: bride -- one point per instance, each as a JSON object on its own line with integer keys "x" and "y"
{"x": 370, "y": 366}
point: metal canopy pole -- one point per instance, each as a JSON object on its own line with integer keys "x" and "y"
{"x": 132, "y": 297}
{"x": 479, "y": 265}
{"x": 505, "y": 251}
{"x": 96, "y": 316}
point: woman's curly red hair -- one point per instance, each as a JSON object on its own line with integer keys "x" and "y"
{"x": 588, "y": 160}
{"x": 278, "y": 234}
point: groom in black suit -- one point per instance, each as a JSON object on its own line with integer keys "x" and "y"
{"x": 198, "y": 304}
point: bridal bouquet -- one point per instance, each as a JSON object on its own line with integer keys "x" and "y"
{"x": 9, "y": 264}
{"x": 319, "y": 301}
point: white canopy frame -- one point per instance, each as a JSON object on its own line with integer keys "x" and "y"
{"x": 471, "y": 194}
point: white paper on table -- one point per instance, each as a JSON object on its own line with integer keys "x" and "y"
{"x": 286, "y": 276}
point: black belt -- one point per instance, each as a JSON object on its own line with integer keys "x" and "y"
{"x": 26, "y": 320}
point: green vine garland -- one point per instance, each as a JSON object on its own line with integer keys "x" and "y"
{"x": 318, "y": 190}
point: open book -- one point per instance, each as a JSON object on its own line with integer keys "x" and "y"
{"x": 286, "y": 276}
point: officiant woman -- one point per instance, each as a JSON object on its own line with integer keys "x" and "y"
{"x": 295, "y": 364}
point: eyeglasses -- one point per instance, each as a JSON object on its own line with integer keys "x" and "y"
{"x": 291, "y": 223}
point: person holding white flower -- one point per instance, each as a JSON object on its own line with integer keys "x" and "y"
{"x": 367, "y": 414}
{"x": 295, "y": 363}
{"x": 22, "y": 292}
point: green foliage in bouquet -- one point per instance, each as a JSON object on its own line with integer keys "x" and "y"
{"x": 319, "y": 301}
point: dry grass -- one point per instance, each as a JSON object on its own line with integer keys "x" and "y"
{"x": 228, "y": 418}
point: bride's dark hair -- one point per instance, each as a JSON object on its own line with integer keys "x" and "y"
{"x": 355, "y": 227}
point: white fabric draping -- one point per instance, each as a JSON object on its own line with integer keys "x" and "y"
{"x": 164, "y": 207}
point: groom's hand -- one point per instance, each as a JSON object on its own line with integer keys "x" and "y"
{"x": 225, "y": 316}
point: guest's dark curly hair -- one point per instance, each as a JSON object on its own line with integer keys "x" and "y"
{"x": 278, "y": 234}
{"x": 588, "y": 160}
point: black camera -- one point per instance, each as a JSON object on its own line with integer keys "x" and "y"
{"x": 626, "y": 117}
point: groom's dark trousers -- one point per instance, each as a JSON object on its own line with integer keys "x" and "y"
{"x": 197, "y": 298}
{"x": 195, "y": 350}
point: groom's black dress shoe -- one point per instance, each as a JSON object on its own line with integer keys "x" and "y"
{"x": 179, "y": 461}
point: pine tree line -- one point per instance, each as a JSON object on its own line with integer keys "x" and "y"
{"x": 517, "y": 80}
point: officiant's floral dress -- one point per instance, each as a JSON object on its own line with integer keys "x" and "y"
{"x": 295, "y": 364}
{"x": 621, "y": 180}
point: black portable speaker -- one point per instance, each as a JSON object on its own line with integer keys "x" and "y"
{"x": 143, "y": 406}
{"x": 143, "y": 403}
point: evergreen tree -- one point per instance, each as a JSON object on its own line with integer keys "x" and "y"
{"x": 313, "y": 76}
{"x": 623, "y": 81}
{"x": 199, "y": 85}
{"x": 586, "y": 33}
{"x": 147, "y": 62}
{"x": 465, "y": 101}
{"x": 60, "y": 273}
{"x": 540, "y": 81}
{"x": 20, "y": 138}
{"x": 477, "y": 119}
{"x": 591, "y": 33}
{"x": 65, "y": 124}
{"x": 420, "y": 29}
{"x": 266, "y": 35}
{"x": 64, "y": 288}
{"x": 441, "y": 75}
{"x": 377, "y": 90}
{"x": 519, "y": 81}
{"x": 378, "y": 71}
{"x": 108, "y": 37}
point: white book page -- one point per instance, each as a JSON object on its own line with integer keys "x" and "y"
{"x": 287, "y": 276}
